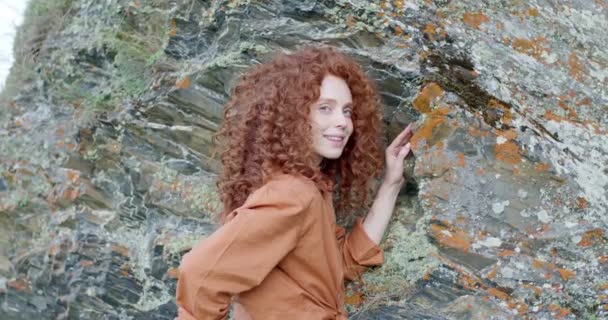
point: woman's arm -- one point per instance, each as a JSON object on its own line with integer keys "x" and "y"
{"x": 382, "y": 209}
{"x": 359, "y": 248}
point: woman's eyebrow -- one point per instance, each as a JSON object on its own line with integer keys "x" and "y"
{"x": 350, "y": 105}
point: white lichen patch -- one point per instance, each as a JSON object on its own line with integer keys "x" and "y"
{"x": 499, "y": 207}
{"x": 490, "y": 242}
{"x": 408, "y": 260}
{"x": 500, "y": 140}
{"x": 589, "y": 170}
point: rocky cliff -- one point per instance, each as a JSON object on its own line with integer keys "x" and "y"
{"x": 106, "y": 176}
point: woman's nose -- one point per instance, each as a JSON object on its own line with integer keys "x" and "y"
{"x": 340, "y": 120}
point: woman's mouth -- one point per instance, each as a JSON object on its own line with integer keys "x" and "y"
{"x": 335, "y": 141}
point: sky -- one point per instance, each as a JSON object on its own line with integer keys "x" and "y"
{"x": 11, "y": 15}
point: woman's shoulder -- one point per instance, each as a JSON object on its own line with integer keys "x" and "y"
{"x": 293, "y": 186}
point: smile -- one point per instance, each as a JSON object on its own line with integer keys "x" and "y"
{"x": 335, "y": 138}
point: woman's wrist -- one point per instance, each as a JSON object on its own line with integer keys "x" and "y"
{"x": 389, "y": 190}
{"x": 392, "y": 185}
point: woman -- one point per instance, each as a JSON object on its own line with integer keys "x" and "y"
{"x": 295, "y": 130}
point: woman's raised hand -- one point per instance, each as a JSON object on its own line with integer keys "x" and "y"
{"x": 395, "y": 153}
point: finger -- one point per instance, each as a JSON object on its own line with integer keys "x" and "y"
{"x": 405, "y": 140}
{"x": 405, "y": 150}
{"x": 402, "y": 136}
{"x": 399, "y": 138}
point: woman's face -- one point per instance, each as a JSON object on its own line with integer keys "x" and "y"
{"x": 330, "y": 118}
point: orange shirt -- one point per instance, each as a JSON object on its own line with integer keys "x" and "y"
{"x": 281, "y": 256}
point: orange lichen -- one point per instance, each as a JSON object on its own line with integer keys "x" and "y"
{"x": 537, "y": 290}
{"x": 423, "y": 100}
{"x": 426, "y": 276}
{"x": 532, "y": 12}
{"x": 558, "y": 311}
{"x": 468, "y": 282}
{"x": 508, "y": 152}
{"x": 506, "y": 253}
{"x": 537, "y": 264}
{"x": 425, "y": 132}
{"x": 125, "y": 269}
{"x": 183, "y": 83}
{"x": 86, "y": 263}
{"x": 553, "y": 252}
{"x": 549, "y": 115}
{"x": 451, "y": 237}
{"x": 507, "y": 134}
{"x": 461, "y": 161}
{"x": 351, "y": 21}
{"x": 521, "y": 308}
{"x": 475, "y": 19}
{"x": 507, "y": 116}
{"x": 542, "y": 167}
{"x": 582, "y": 203}
{"x": 354, "y": 299}
{"x": 584, "y": 102}
{"x": 398, "y": 30}
{"x": 533, "y": 47}
{"x": 492, "y": 274}
{"x": 431, "y": 31}
{"x": 576, "y": 69}
{"x": 70, "y": 194}
{"x": 173, "y": 273}
{"x": 566, "y": 274}
{"x": 53, "y": 250}
{"x": 19, "y": 285}
{"x": 173, "y": 27}
{"x": 571, "y": 112}
{"x": 498, "y": 294}
{"x": 591, "y": 237}
{"x": 73, "y": 175}
{"x": 122, "y": 250}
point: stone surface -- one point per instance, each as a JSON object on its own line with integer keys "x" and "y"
{"x": 107, "y": 174}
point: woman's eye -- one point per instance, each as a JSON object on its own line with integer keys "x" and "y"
{"x": 324, "y": 107}
{"x": 348, "y": 112}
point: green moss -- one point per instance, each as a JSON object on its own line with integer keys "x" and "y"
{"x": 182, "y": 243}
{"x": 41, "y": 19}
{"x": 406, "y": 262}
{"x": 408, "y": 257}
{"x": 135, "y": 52}
{"x": 201, "y": 193}
{"x": 43, "y": 7}
{"x": 357, "y": 15}
{"x": 207, "y": 198}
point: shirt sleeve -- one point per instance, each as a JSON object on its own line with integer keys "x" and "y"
{"x": 240, "y": 254}
{"x": 358, "y": 250}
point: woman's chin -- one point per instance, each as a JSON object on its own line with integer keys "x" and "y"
{"x": 332, "y": 155}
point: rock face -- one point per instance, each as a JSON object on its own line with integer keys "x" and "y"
{"x": 107, "y": 177}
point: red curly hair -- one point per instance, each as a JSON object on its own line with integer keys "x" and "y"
{"x": 266, "y": 121}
